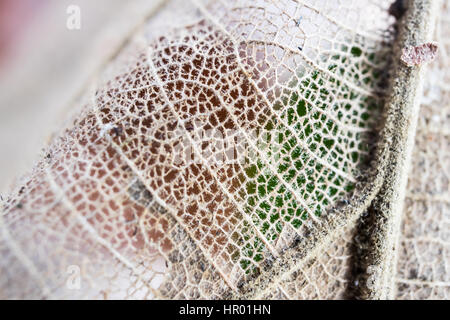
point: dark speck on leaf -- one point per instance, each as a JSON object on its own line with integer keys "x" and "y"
{"x": 397, "y": 9}
{"x": 412, "y": 274}
{"x": 117, "y": 131}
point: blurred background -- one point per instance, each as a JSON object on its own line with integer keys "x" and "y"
{"x": 45, "y": 60}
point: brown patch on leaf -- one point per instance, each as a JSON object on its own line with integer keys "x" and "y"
{"x": 418, "y": 55}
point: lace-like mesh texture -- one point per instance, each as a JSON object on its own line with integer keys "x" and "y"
{"x": 140, "y": 198}
{"x": 326, "y": 277}
{"x": 424, "y": 252}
